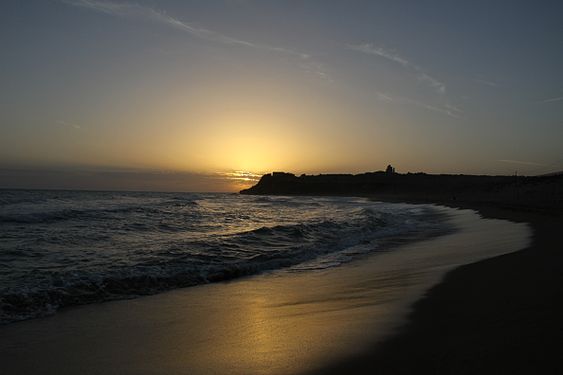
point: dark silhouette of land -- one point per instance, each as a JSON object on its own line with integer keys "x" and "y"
{"x": 538, "y": 192}
{"x": 498, "y": 316}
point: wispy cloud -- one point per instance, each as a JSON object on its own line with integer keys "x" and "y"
{"x": 383, "y": 97}
{"x": 372, "y": 50}
{"x": 147, "y": 13}
{"x": 68, "y": 124}
{"x": 521, "y": 162}
{"x": 550, "y": 100}
{"x": 422, "y": 76}
{"x": 317, "y": 69}
{"x": 486, "y": 82}
{"x": 240, "y": 176}
{"x": 141, "y": 12}
{"x": 446, "y": 109}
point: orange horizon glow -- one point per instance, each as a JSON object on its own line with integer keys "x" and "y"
{"x": 146, "y": 94}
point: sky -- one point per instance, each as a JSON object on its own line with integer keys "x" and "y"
{"x": 208, "y": 95}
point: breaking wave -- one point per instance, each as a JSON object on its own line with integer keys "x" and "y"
{"x": 66, "y": 248}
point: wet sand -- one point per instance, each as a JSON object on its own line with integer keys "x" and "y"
{"x": 277, "y": 323}
{"x": 502, "y": 315}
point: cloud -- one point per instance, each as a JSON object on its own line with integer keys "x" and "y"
{"x": 522, "y": 162}
{"x": 68, "y": 124}
{"x": 114, "y": 178}
{"x": 240, "y": 176}
{"x": 370, "y": 49}
{"x": 550, "y": 100}
{"x": 141, "y": 12}
{"x": 317, "y": 69}
{"x": 384, "y": 97}
{"x": 486, "y": 82}
{"x": 435, "y": 84}
{"x": 432, "y": 82}
{"x": 447, "y": 109}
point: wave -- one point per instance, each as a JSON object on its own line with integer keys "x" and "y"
{"x": 47, "y": 217}
{"x": 217, "y": 258}
{"x": 75, "y": 247}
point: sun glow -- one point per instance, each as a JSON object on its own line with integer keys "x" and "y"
{"x": 243, "y": 176}
{"x": 241, "y": 179}
{"x": 248, "y": 142}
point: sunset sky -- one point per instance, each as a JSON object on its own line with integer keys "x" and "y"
{"x": 184, "y": 95}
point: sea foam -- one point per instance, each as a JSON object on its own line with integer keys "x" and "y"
{"x": 61, "y": 248}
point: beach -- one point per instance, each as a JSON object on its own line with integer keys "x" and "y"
{"x": 278, "y": 322}
{"x": 281, "y": 187}
{"x": 498, "y": 316}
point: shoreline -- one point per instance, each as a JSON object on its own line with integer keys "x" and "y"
{"x": 501, "y": 315}
{"x": 276, "y": 323}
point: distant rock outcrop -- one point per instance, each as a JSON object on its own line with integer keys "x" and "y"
{"x": 536, "y": 191}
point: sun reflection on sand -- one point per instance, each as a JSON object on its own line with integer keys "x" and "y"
{"x": 275, "y": 323}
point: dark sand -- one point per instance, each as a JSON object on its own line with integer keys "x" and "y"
{"x": 275, "y": 323}
{"x": 503, "y": 315}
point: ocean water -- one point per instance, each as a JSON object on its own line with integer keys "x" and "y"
{"x": 62, "y": 248}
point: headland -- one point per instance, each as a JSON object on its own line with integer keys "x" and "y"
{"x": 498, "y": 316}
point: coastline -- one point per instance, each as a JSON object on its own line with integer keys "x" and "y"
{"x": 275, "y": 323}
{"x": 501, "y": 315}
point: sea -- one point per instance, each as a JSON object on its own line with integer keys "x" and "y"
{"x": 64, "y": 248}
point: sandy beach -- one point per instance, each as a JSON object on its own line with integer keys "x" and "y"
{"x": 280, "y": 322}
{"x": 497, "y": 316}
{"x": 281, "y": 187}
